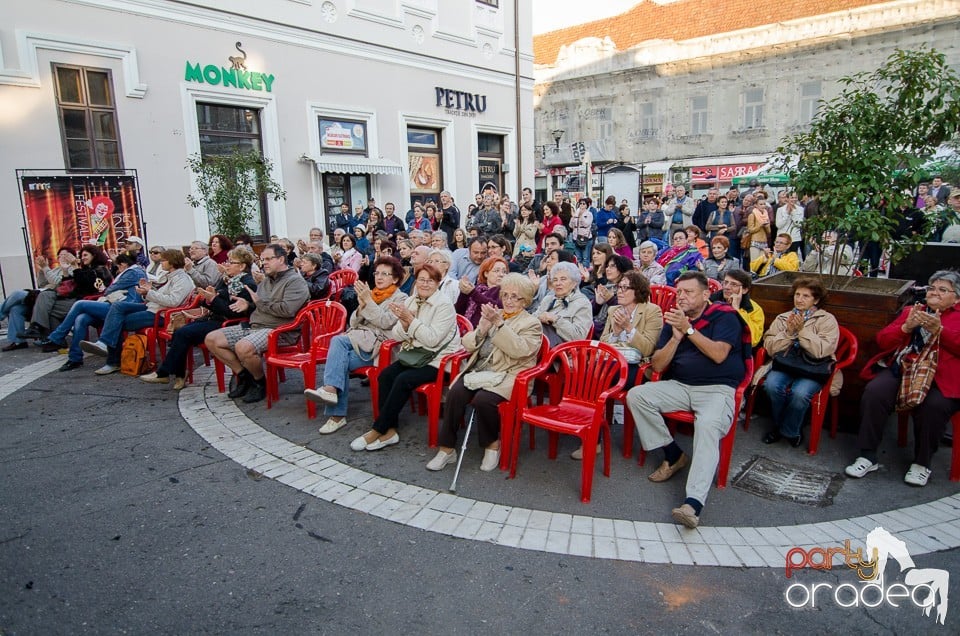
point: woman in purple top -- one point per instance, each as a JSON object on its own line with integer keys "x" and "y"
{"x": 487, "y": 290}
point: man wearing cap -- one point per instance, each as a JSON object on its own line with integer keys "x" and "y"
{"x": 135, "y": 247}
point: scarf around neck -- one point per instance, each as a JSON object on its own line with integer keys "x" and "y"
{"x": 380, "y": 295}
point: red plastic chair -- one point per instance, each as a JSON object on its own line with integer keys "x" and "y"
{"x": 163, "y": 336}
{"x": 550, "y": 382}
{"x": 153, "y": 333}
{"x": 591, "y": 372}
{"x": 509, "y": 407}
{"x": 726, "y": 442}
{"x": 628, "y": 424}
{"x": 714, "y": 285}
{"x": 663, "y": 297}
{"x": 339, "y": 280}
{"x": 847, "y": 349}
{"x": 318, "y": 324}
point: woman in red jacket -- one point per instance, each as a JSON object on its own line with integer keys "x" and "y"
{"x": 909, "y": 333}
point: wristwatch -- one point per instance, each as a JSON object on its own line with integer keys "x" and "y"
{"x": 690, "y": 331}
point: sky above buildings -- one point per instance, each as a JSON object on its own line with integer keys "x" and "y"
{"x": 550, "y": 15}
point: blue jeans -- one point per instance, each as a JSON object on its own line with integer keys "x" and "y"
{"x": 341, "y": 360}
{"x": 14, "y": 310}
{"x": 584, "y": 253}
{"x": 82, "y": 314}
{"x": 124, "y": 316}
{"x": 789, "y": 400}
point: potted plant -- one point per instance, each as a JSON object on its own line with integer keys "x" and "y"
{"x": 230, "y": 187}
{"x": 862, "y": 157}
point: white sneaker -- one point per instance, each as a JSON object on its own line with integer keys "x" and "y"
{"x": 332, "y": 425}
{"x": 491, "y": 460}
{"x": 441, "y": 459}
{"x": 96, "y": 348}
{"x": 107, "y": 369}
{"x": 860, "y": 468}
{"x": 917, "y": 475}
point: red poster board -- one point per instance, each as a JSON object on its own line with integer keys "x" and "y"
{"x": 74, "y": 210}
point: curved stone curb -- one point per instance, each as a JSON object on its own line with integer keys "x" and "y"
{"x": 925, "y": 528}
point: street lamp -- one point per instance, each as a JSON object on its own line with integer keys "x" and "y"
{"x": 557, "y": 135}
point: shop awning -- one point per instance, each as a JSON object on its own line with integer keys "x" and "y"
{"x": 357, "y": 165}
{"x": 765, "y": 178}
{"x": 656, "y": 167}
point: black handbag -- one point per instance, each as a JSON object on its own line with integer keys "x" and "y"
{"x": 797, "y": 363}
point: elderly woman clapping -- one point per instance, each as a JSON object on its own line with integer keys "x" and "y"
{"x": 427, "y": 323}
{"x": 935, "y": 324}
{"x": 564, "y": 312}
{"x": 370, "y": 325}
{"x": 505, "y": 342}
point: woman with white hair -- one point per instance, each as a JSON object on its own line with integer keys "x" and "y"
{"x": 505, "y": 342}
{"x": 442, "y": 259}
{"x": 934, "y": 324}
{"x": 564, "y": 312}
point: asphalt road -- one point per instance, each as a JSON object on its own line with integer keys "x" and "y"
{"x": 115, "y": 517}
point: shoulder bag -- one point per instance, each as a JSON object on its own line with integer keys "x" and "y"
{"x": 797, "y": 363}
{"x": 416, "y": 357}
{"x": 917, "y": 375}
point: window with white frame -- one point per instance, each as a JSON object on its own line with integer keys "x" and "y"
{"x": 88, "y": 118}
{"x": 810, "y": 94}
{"x": 647, "y": 118}
{"x": 753, "y": 108}
{"x": 698, "y": 115}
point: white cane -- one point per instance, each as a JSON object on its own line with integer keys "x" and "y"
{"x": 463, "y": 449}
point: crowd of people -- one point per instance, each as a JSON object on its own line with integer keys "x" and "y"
{"x": 520, "y": 273}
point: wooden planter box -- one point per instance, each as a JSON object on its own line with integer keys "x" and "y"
{"x": 863, "y": 305}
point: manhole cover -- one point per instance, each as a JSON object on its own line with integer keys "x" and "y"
{"x": 774, "y": 480}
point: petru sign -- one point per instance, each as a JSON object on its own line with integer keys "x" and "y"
{"x": 235, "y": 77}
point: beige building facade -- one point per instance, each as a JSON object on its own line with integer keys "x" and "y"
{"x": 703, "y": 111}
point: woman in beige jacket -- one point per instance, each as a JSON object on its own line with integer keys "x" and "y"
{"x": 817, "y": 334}
{"x": 426, "y": 319}
{"x": 505, "y": 342}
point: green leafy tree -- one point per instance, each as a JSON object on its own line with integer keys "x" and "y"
{"x": 230, "y": 188}
{"x": 864, "y": 151}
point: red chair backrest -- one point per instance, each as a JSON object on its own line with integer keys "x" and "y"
{"x": 463, "y": 324}
{"x": 664, "y": 297}
{"x": 588, "y": 370}
{"x": 343, "y": 277}
{"x": 329, "y": 320}
{"x": 714, "y": 285}
{"x": 847, "y": 348}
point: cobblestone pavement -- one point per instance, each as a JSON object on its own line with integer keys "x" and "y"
{"x": 130, "y": 508}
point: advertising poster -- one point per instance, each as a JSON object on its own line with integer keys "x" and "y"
{"x": 424, "y": 173}
{"x": 75, "y": 210}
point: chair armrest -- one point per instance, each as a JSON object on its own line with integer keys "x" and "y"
{"x": 455, "y": 360}
{"x": 273, "y": 337}
{"x": 386, "y": 353}
{"x": 525, "y": 377}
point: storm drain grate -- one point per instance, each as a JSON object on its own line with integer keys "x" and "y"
{"x": 771, "y": 479}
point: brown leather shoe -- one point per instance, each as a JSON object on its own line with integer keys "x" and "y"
{"x": 685, "y": 516}
{"x": 666, "y": 471}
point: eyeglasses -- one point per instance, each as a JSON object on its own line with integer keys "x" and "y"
{"x": 269, "y": 258}
{"x": 510, "y": 297}
{"x": 942, "y": 290}
{"x": 383, "y": 274}
{"x": 426, "y": 281}
{"x": 732, "y": 285}
{"x": 235, "y": 262}
{"x": 624, "y": 288}
{"x": 156, "y": 252}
